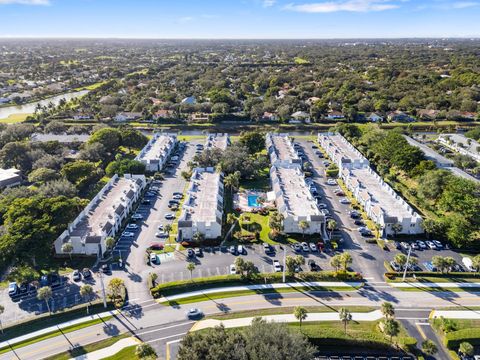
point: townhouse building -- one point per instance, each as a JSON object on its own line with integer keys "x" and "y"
{"x": 157, "y": 151}
{"x": 281, "y": 150}
{"x": 217, "y": 141}
{"x": 202, "y": 211}
{"x": 103, "y": 216}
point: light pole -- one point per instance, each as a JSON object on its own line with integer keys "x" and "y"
{"x": 284, "y": 261}
{"x": 103, "y": 290}
{"x": 406, "y": 264}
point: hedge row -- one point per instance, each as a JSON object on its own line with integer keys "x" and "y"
{"x": 391, "y": 275}
{"x": 178, "y": 287}
{"x": 455, "y": 338}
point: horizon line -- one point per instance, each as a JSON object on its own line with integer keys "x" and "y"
{"x": 6, "y": 37}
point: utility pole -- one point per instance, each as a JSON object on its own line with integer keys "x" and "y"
{"x": 103, "y": 290}
{"x": 284, "y": 260}
{"x": 406, "y": 265}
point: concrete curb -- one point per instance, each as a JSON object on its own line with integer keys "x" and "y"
{"x": 110, "y": 350}
{"x": 436, "y": 285}
{"x": 456, "y": 314}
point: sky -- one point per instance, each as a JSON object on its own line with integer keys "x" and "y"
{"x": 258, "y": 19}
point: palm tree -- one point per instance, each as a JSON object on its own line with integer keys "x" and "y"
{"x": 391, "y": 328}
{"x": 331, "y": 225}
{"x": 115, "y": 287}
{"x": 45, "y": 293}
{"x": 429, "y": 347}
{"x": 345, "y": 316}
{"x": 86, "y": 291}
{"x": 231, "y": 219}
{"x": 466, "y": 349}
{"x": 397, "y": 228}
{"x": 191, "y": 267}
{"x": 109, "y": 242}
{"x": 388, "y": 310}
{"x": 346, "y": 260}
{"x": 300, "y": 314}
{"x": 303, "y": 225}
{"x": 145, "y": 351}
{"x": 168, "y": 228}
{"x": 67, "y": 248}
{"x": 336, "y": 262}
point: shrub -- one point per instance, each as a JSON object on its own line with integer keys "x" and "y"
{"x": 455, "y": 338}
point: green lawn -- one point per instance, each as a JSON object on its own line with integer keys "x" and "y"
{"x": 126, "y": 353}
{"x": 14, "y": 118}
{"x": 55, "y": 333}
{"x": 287, "y": 310}
{"x": 230, "y": 294}
{"x": 82, "y": 350}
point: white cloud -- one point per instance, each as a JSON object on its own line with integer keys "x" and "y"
{"x": 269, "y": 3}
{"x": 185, "y": 19}
{"x": 464, "y": 4}
{"x": 344, "y": 5}
{"x": 25, "y": 2}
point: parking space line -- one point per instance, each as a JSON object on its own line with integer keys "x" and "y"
{"x": 218, "y": 270}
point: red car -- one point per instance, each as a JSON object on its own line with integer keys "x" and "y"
{"x": 156, "y": 247}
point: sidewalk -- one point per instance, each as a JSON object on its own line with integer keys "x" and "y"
{"x": 263, "y": 287}
{"x": 435, "y": 285}
{"x": 56, "y": 328}
{"x": 456, "y": 314}
{"x": 287, "y": 318}
{"x": 109, "y": 351}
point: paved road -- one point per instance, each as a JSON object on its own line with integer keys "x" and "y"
{"x": 159, "y": 324}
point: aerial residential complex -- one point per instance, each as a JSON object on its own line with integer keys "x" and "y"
{"x": 202, "y": 210}
{"x": 281, "y": 151}
{"x": 342, "y": 153}
{"x": 461, "y": 144}
{"x": 103, "y": 216}
{"x": 155, "y": 154}
{"x": 294, "y": 201}
{"x": 217, "y": 141}
{"x": 381, "y": 203}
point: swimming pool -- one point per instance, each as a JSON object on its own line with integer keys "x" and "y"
{"x": 252, "y": 200}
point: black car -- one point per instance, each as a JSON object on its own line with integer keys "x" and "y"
{"x": 106, "y": 268}
{"x": 398, "y": 246}
{"x": 198, "y": 252}
{"x": 86, "y": 273}
{"x": 359, "y": 222}
{"x": 313, "y": 265}
{"x": 190, "y": 253}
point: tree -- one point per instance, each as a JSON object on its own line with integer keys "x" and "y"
{"x": 116, "y": 288}
{"x": 191, "y": 267}
{"x": 391, "y": 328}
{"x": 86, "y": 291}
{"x": 397, "y": 228}
{"x": 232, "y": 181}
{"x": 388, "y": 310}
{"x": 303, "y": 225}
{"x": 400, "y": 260}
{"x": 466, "y": 349}
{"x": 345, "y": 317}
{"x": 43, "y": 175}
{"x": 110, "y": 138}
{"x": 132, "y": 138}
{"x": 429, "y": 347}
{"x": 275, "y": 221}
{"x": 254, "y": 141}
{"x": 168, "y": 228}
{"x": 109, "y": 242}
{"x": 145, "y": 351}
{"x": 245, "y": 268}
{"x": 231, "y": 218}
{"x": 125, "y": 166}
{"x": 300, "y": 314}
{"x": 476, "y": 262}
{"x": 346, "y": 260}
{"x": 45, "y": 293}
{"x": 336, "y": 262}
{"x": 291, "y": 262}
{"x": 67, "y": 248}
{"x": 331, "y": 226}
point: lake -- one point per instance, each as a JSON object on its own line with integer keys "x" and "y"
{"x": 30, "y": 107}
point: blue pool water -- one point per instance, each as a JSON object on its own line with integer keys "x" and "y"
{"x": 253, "y": 200}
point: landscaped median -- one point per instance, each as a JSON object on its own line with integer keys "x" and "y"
{"x": 224, "y": 286}
{"x": 434, "y": 281}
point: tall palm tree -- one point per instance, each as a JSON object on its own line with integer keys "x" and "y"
{"x": 86, "y": 291}
{"x": 331, "y": 225}
{"x": 345, "y": 316}
{"x": 388, "y": 310}
{"x": 303, "y": 225}
{"x": 191, "y": 267}
{"x": 300, "y": 314}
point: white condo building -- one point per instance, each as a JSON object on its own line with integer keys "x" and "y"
{"x": 295, "y": 202}
{"x": 381, "y": 203}
{"x": 281, "y": 151}
{"x": 202, "y": 210}
{"x": 155, "y": 154}
{"x": 103, "y": 216}
{"x": 10, "y": 178}
{"x": 217, "y": 141}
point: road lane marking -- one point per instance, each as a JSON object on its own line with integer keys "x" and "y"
{"x": 166, "y": 337}
{"x": 420, "y": 330}
{"x": 164, "y": 328}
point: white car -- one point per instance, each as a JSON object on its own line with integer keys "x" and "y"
{"x": 305, "y": 247}
{"x": 344, "y": 201}
{"x": 177, "y": 197}
{"x": 160, "y": 227}
{"x": 325, "y": 211}
{"x": 194, "y": 313}
{"x": 132, "y": 226}
{"x": 331, "y": 182}
{"x": 421, "y": 244}
{"x": 313, "y": 247}
{"x": 153, "y": 258}
{"x": 322, "y": 206}
{"x": 438, "y": 244}
{"x": 431, "y": 245}
{"x": 161, "y": 234}
{"x": 233, "y": 271}
{"x": 276, "y": 266}
{"x": 170, "y": 216}
{"x": 128, "y": 234}
{"x": 137, "y": 216}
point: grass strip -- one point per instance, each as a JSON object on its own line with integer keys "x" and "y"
{"x": 82, "y": 350}
{"x": 125, "y": 353}
{"x": 287, "y": 310}
{"x": 230, "y": 294}
{"x": 54, "y": 333}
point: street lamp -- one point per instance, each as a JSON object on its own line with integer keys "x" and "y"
{"x": 406, "y": 264}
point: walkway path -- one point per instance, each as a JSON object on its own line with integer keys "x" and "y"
{"x": 436, "y": 285}
{"x": 110, "y": 350}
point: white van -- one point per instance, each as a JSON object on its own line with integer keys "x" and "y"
{"x": 468, "y": 263}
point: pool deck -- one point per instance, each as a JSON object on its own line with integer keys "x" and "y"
{"x": 240, "y": 200}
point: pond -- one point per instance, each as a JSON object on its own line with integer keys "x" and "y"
{"x": 29, "y": 108}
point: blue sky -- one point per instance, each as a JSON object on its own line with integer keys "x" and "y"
{"x": 240, "y": 18}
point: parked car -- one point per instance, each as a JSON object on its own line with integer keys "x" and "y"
{"x": 76, "y": 276}
{"x": 431, "y": 245}
{"x": 241, "y": 250}
{"x": 233, "y": 250}
{"x": 276, "y": 266}
{"x": 395, "y": 266}
{"x": 313, "y": 265}
{"x": 153, "y": 258}
{"x": 339, "y": 193}
{"x": 359, "y": 222}
{"x": 405, "y": 245}
{"x": 233, "y": 271}
{"x": 177, "y": 193}
{"x": 398, "y": 246}
{"x": 156, "y": 246}
{"x": 146, "y": 201}
{"x": 177, "y": 197}
{"x": 354, "y": 214}
{"x": 322, "y": 206}
{"x": 137, "y": 216}
{"x": 305, "y": 247}
{"x": 296, "y": 247}
{"x": 267, "y": 248}
{"x": 438, "y": 244}
{"x": 421, "y": 245}
{"x": 161, "y": 234}
{"x": 344, "y": 201}
{"x": 170, "y": 216}
{"x": 128, "y": 234}
{"x": 86, "y": 273}
{"x": 325, "y": 211}
{"x": 132, "y": 227}
{"x": 190, "y": 253}
{"x": 194, "y": 313}
{"x": 313, "y": 247}
{"x": 415, "y": 246}
{"x": 106, "y": 268}
{"x": 331, "y": 182}
{"x": 198, "y": 252}
{"x": 12, "y": 289}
